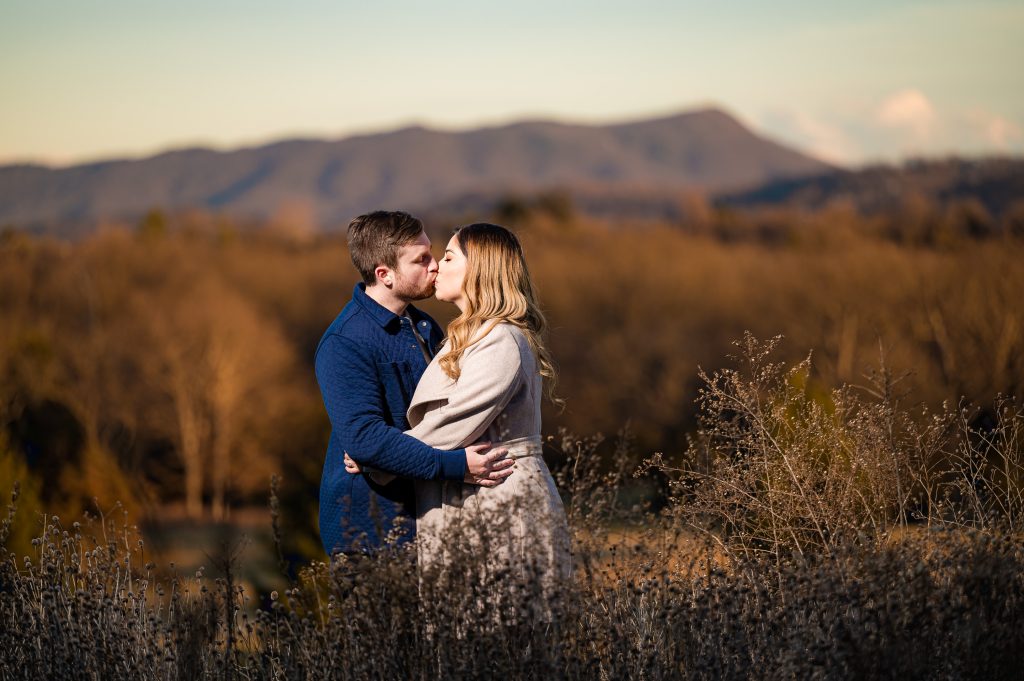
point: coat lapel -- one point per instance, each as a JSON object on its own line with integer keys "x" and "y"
{"x": 434, "y": 385}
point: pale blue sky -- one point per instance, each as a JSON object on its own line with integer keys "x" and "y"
{"x": 851, "y": 82}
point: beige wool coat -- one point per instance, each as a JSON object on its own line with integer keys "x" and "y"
{"x": 520, "y": 524}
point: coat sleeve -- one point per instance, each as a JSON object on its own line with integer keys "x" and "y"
{"x": 489, "y": 378}
{"x": 352, "y": 395}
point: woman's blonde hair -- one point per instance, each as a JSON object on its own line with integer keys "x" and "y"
{"x": 497, "y": 288}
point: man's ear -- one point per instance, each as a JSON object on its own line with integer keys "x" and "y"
{"x": 384, "y": 275}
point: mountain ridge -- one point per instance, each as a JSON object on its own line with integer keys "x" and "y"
{"x": 414, "y": 167}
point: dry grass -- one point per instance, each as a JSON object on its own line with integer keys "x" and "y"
{"x": 807, "y": 535}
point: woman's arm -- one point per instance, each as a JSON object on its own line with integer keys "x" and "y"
{"x": 490, "y": 375}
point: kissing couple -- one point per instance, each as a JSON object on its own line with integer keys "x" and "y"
{"x": 437, "y": 435}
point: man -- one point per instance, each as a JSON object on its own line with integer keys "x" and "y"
{"x": 368, "y": 364}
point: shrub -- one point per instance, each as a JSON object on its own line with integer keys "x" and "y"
{"x": 808, "y": 534}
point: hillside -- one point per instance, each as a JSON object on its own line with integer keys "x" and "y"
{"x": 996, "y": 184}
{"x": 327, "y": 182}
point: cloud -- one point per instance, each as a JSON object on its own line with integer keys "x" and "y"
{"x": 994, "y": 130}
{"x": 908, "y": 110}
{"x": 903, "y": 124}
{"x": 812, "y": 134}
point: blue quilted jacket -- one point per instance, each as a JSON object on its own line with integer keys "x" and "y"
{"x": 367, "y": 364}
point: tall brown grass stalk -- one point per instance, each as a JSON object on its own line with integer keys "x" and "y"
{"x": 807, "y": 534}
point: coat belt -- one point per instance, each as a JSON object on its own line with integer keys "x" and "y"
{"x": 454, "y": 492}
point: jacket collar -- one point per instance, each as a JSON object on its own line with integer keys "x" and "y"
{"x": 378, "y": 312}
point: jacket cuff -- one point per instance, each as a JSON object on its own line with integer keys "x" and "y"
{"x": 453, "y": 465}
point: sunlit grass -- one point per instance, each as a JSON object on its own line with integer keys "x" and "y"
{"x": 755, "y": 567}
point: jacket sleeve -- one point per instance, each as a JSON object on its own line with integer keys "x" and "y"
{"x": 489, "y": 377}
{"x": 353, "y": 397}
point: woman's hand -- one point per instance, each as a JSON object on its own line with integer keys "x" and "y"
{"x": 351, "y": 466}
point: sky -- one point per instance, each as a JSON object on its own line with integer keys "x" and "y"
{"x": 849, "y": 82}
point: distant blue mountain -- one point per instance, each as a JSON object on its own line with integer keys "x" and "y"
{"x": 413, "y": 168}
{"x": 996, "y": 184}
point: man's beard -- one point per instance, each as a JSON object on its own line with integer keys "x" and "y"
{"x": 407, "y": 292}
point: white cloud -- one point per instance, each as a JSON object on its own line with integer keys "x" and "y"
{"x": 994, "y": 130}
{"x": 812, "y": 134}
{"x": 903, "y": 124}
{"x": 908, "y": 110}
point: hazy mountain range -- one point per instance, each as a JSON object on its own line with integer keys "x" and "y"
{"x": 329, "y": 181}
{"x": 995, "y": 183}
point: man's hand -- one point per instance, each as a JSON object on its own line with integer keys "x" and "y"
{"x": 355, "y": 468}
{"x": 351, "y": 466}
{"x": 487, "y": 467}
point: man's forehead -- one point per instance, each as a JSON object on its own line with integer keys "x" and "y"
{"x": 417, "y": 247}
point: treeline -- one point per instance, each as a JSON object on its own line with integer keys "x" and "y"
{"x": 166, "y": 370}
{"x": 928, "y": 201}
{"x": 168, "y": 364}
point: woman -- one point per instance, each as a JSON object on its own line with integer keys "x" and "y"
{"x": 485, "y": 383}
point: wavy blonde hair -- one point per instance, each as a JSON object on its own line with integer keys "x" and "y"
{"x": 497, "y": 288}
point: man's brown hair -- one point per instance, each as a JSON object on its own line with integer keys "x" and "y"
{"x": 374, "y": 239}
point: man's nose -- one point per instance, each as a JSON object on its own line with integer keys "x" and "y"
{"x": 433, "y": 265}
